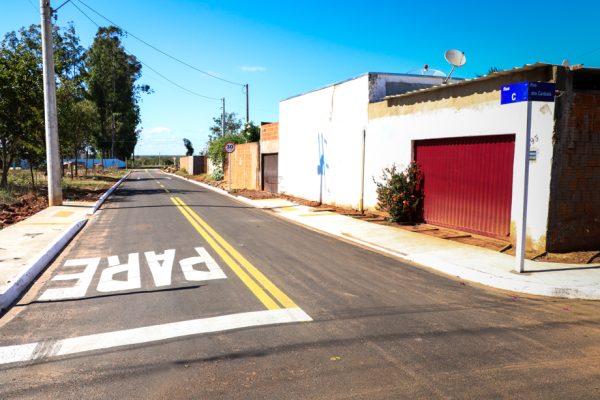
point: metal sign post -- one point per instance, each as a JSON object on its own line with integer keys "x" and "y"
{"x": 229, "y": 148}
{"x": 515, "y": 93}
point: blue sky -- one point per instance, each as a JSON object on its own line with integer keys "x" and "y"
{"x": 283, "y": 48}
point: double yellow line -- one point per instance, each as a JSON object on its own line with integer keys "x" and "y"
{"x": 259, "y": 285}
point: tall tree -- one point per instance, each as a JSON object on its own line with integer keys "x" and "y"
{"x": 189, "y": 149}
{"x": 232, "y": 126}
{"x": 111, "y": 79}
{"x": 21, "y": 96}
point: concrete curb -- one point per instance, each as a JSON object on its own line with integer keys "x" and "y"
{"x": 481, "y": 277}
{"x": 36, "y": 265}
{"x": 103, "y": 198}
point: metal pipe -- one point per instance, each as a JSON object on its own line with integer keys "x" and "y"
{"x": 522, "y": 223}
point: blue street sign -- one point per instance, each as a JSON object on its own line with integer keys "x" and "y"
{"x": 524, "y": 91}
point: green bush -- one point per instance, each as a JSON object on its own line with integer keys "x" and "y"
{"x": 217, "y": 173}
{"x": 400, "y": 193}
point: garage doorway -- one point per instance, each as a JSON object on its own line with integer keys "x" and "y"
{"x": 270, "y": 173}
{"x": 467, "y": 182}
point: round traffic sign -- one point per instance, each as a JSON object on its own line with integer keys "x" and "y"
{"x": 230, "y": 147}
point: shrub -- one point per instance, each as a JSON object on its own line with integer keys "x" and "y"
{"x": 400, "y": 193}
{"x": 217, "y": 173}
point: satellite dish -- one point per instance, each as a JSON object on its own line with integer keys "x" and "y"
{"x": 456, "y": 58}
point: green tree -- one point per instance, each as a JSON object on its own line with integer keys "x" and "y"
{"x": 251, "y": 132}
{"x": 21, "y": 97}
{"x": 111, "y": 79}
{"x": 232, "y": 126}
{"x": 188, "y": 146}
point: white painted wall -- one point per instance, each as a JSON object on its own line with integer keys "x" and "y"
{"x": 329, "y": 123}
{"x": 325, "y": 124}
{"x": 389, "y": 140}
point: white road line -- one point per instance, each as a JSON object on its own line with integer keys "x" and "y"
{"x": 153, "y": 333}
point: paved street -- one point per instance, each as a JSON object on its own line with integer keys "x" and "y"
{"x": 173, "y": 291}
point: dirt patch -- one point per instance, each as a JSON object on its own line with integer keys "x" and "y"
{"x": 22, "y": 208}
{"x": 31, "y": 203}
{"x": 254, "y": 194}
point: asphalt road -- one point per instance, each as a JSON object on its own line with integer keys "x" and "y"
{"x": 173, "y": 291}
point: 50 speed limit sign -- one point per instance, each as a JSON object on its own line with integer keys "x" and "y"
{"x": 230, "y": 147}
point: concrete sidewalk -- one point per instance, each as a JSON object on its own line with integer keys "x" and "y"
{"x": 463, "y": 261}
{"x": 27, "y": 247}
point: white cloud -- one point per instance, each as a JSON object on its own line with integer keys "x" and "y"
{"x": 157, "y": 130}
{"x": 252, "y": 68}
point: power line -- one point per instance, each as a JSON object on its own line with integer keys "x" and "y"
{"x": 176, "y": 84}
{"x": 149, "y": 67}
{"x": 161, "y": 51}
{"x": 587, "y": 53}
{"x": 34, "y": 7}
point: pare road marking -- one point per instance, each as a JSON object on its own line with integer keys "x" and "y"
{"x": 160, "y": 265}
{"x": 152, "y": 333}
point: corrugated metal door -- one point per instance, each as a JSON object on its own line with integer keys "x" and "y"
{"x": 270, "y": 172}
{"x": 467, "y": 182}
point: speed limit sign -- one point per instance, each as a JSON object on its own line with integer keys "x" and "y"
{"x": 230, "y": 147}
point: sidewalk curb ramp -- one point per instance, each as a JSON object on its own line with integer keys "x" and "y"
{"x": 39, "y": 262}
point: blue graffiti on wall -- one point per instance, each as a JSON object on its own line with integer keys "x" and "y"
{"x": 323, "y": 166}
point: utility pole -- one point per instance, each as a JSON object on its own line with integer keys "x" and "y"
{"x": 247, "y": 106}
{"x": 223, "y": 117}
{"x": 53, "y": 161}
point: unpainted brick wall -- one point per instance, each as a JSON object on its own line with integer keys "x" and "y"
{"x": 574, "y": 217}
{"x": 244, "y": 167}
{"x": 194, "y": 165}
{"x": 269, "y": 131}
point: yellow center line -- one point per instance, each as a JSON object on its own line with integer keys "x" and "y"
{"x": 281, "y": 297}
{"x": 244, "y": 277}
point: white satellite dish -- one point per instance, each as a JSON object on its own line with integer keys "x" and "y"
{"x": 456, "y": 58}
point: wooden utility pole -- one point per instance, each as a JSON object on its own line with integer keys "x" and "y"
{"x": 223, "y": 117}
{"x": 53, "y": 161}
{"x": 247, "y": 106}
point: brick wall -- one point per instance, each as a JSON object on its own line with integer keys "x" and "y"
{"x": 194, "y": 165}
{"x": 269, "y": 131}
{"x": 244, "y": 167}
{"x": 269, "y": 138}
{"x": 574, "y": 214}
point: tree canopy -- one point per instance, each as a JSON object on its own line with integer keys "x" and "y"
{"x": 189, "y": 149}
{"x": 97, "y": 95}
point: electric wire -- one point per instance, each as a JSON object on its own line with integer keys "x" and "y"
{"x": 587, "y": 53}
{"x": 33, "y": 5}
{"x": 149, "y": 67}
{"x": 159, "y": 50}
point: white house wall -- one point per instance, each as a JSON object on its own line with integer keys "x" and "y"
{"x": 320, "y": 138}
{"x": 390, "y": 140}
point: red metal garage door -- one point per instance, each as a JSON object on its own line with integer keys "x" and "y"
{"x": 468, "y": 182}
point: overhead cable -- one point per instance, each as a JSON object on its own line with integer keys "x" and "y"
{"x": 149, "y": 67}
{"x": 161, "y": 51}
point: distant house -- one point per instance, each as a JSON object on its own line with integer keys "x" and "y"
{"x": 470, "y": 147}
